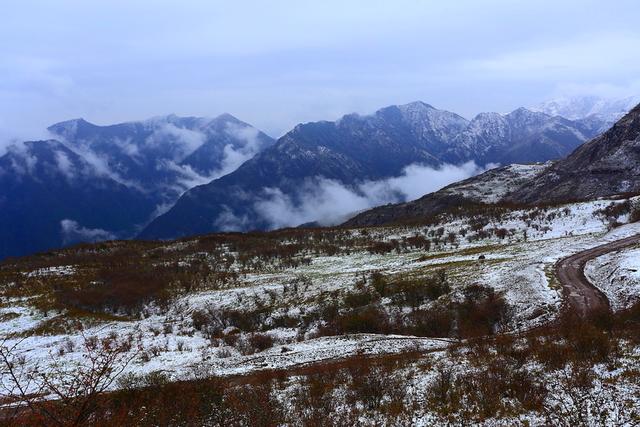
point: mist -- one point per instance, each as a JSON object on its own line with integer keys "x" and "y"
{"x": 72, "y": 232}
{"x": 329, "y": 202}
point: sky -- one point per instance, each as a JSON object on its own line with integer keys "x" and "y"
{"x": 278, "y": 63}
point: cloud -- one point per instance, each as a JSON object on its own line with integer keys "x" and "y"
{"x": 228, "y": 221}
{"x": 248, "y": 144}
{"x": 10, "y": 136}
{"x": 188, "y": 178}
{"x": 330, "y": 202}
{"x": 186, "y": 141}
{"x": 22, "y": 161}
{"x": 236, "y": 156}
{"x": 585, "y": 55}
{"x": 417, "y": 180}
{"x": 73, "y": 232}
{"x": 100, "y": 166}
{"x": 322, "y": 200}
{"x": 64, "y": 165}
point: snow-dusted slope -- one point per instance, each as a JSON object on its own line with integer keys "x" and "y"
{"x": 521, "y": 136}
{"x": 617, "y": 274}
{"x": 519, "y": 264}
{"x": 495, "y": 184}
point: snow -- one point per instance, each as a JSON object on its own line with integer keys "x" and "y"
{"x": 617, "y": 274}
{"x": 63, "y": 270}
{"x": 492, "y": 186}
{"x": 520, "y": 265}
{"x": 579, "y": 107}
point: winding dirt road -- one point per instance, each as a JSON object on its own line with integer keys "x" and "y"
{"x": 579, "y": 293}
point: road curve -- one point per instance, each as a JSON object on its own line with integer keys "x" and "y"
{"x": 579, "y": 294}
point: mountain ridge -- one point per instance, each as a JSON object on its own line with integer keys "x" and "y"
{"x": 141, "y": 167}
{"x": 604, "y": 166}
{"x": 351, "y": 150}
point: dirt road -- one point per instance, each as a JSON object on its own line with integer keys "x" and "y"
{"x": 579, "y": 293}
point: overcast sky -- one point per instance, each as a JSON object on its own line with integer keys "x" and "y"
{"x": 277, "y": 63}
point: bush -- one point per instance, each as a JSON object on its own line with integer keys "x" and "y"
{"x": 261, "y": 342}
{"x": 432, "y": 323}
{"x": 414, "y": 292}
{"x": 358, "y": 299}
{"x": 368, "y": 320}
{"x": 481, "y": 312}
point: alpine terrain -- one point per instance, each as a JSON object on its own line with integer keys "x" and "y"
{"x": 357, "y": 150}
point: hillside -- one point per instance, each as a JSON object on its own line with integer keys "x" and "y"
{"x": 50, "y": 197}
{"x": 606, "y": 165}
{"x": 380, "y": 314}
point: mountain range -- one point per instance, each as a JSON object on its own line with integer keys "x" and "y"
{"x": 601, "y": 112}
{"x": 362, "y": 149}
{"x": 104, "y": 182}
{"x": 605, "y": 166}
{"x": 173, "y": 176}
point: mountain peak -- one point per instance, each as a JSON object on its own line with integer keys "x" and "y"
{"x": 525, "y": 112}
{"x": 70, "y": 128}
{"x": 416, "y": 105}
{"x": 226, "y": 117}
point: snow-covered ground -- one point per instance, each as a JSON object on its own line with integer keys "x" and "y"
{"x": 494, "y": 184}
{"x": 519, "y": 264}
{"x": 617, "y": 274}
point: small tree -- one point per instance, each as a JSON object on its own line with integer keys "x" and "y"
{"x": 57, "y": 394}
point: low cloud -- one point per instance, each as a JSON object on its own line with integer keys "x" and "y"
{"x": 185, "y": 141}
{"x": 14, "y": 139}
{"x": 233, "y": 156}
{"x": 236, "y": 156}
{"x": 228, "y": 221}
{"x": 188, "y": 177}
{"x": 73, "y": 232}
{"x": 23, "y": 162}
{"x": 330, "y": 202}
{"x": 65, "y": 165}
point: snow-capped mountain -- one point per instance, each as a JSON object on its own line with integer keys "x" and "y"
{"x": 165, "y": 155}
{"x": 608, "y": 165}
{"x": 350, "y": 150}
{"x": 520, "y": 136}
{"x": 594, "y": 107}
{"x": 151, "y": 163}
{"x": 358, "y": 148}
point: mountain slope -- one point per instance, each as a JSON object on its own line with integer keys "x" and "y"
{"x": 50, "y": 196}
{"x": 357, "y": 149}
{"x": 165, "y": 155}
{"x": 351, "y": 150}
{"x": 606, "y": 165}
{"x": 520, "y": 136}
{"x": 102, "y": 182}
